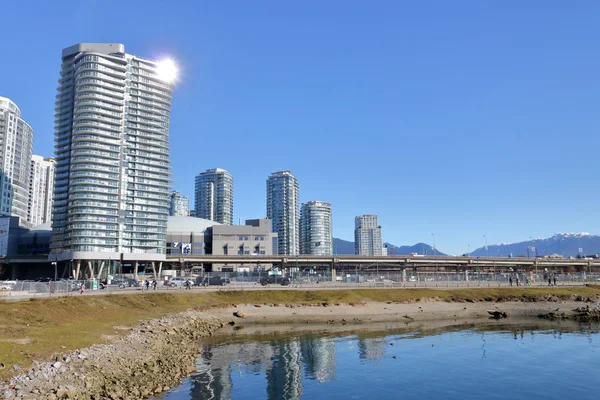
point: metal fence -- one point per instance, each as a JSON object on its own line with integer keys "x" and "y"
{"x": 416, "y": 278}
{"x": 345, "y": 279}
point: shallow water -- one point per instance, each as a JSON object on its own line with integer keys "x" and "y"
{"x": 477, "y": 362}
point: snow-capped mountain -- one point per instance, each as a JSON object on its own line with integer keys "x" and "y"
{"x": 565, "y": 244}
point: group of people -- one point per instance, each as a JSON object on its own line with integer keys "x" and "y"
{"x": 529, "y": 281}
{"x": 147, "y": 284}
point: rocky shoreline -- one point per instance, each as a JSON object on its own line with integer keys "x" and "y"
{"x": 580, "y": 314}
{"x": 150, "y": 359}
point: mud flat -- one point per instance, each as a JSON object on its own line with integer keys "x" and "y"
{"x": 372, "y": 312}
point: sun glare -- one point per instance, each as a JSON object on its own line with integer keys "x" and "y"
{"x": 167, "y": 70}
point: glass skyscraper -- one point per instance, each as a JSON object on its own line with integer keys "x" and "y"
{"x": 283, "y": 211}
{"x": 315, "y": 229}
{"x": 367, "y": 236}
{"x": 179, "y": 206}
{"x": 214, "y": 196}
{"x": 111, "y": 193}
{"x": 41, "y": 185}
{"x": 16, "y": 146}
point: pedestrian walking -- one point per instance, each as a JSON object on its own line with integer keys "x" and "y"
{"x": 517, "y": 280}
{"x": 188, "y": 285}
{"x": 81, "y": 287}
{"x": 147, "y": 283}
{"x": 510, "y": 280}
{"x": 554, "y": 280}
{"x": 154, "y": 284}
{"x": 549, "y": 281}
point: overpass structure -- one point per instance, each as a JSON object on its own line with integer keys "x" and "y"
{"x": 399, "y": 262}
{"x": 41, "y": 265}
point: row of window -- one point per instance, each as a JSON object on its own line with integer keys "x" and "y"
{"x": 248, "y": 238}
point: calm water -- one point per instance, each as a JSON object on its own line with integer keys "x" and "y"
{"x": 474, "y": 363}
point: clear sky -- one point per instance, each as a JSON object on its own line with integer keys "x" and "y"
{"x": 459, "y": 118}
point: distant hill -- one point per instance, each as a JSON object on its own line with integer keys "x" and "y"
{"x": 341, "y": 246}
{"x": 419, "y": 248}
{"x": 565, "y": 244}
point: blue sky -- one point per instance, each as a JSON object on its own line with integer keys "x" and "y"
{"x": 459, "y": 118}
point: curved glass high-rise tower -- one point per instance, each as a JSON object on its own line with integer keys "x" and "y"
{"x": 315, "y": 229}
{"x": 112, "y": 155}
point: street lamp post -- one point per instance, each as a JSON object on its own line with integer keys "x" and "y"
{"x": 433, "y": 234}
{"x": 487, "y": 254}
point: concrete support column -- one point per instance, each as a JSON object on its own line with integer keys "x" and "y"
{"x": 332, "y": 273}
{"x": 403, "y": 275}
{"x": 90, "y": 269}
{"x": 135, "y": 270}
{"x": 159, "y": 269}
{"x": 154, "y": 271}
{"x": 100, "y": 270}
{"x": 467, "y": 276}
{"x": 77, "y": 270}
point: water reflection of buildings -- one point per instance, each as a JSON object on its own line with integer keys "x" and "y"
{"x": 215, "y": 365}
{"x": 282, "y": 362}
{"x": 284, "y": 378}
{"x": 371, "y": 349}
{"x": 319, "y": 358}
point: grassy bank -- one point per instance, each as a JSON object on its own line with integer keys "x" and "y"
{"x": 36, "y": 329}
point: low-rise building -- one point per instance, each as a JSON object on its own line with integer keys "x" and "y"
{"x": 254, "y": 238}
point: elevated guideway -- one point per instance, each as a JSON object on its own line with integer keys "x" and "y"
{"x": 393, "y": 262}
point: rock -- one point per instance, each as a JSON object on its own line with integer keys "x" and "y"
{"x": 57, "y": 365}
{"x": 239, "y": 314}
{"x": 16, "y": 367}
{"x": 497, "y": 314}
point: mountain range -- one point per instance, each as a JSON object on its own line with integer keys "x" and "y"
{"x": 341, "y": 246}
{"x": 564, "y": 244}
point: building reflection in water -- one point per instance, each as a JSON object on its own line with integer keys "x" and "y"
{"x": 284, "y": 378}
{"x": 319, "y": 358}
{"x": 282, "y": 363}
{"x": 371, "y": 349}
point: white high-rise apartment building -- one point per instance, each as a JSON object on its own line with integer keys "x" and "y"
{"x": 179, "y": 205}
{"x": 283, "y": 210}
{"x": 214, "y": 196}
{"x": 41, "y": 185}
{"x": 367, "y": 236}
{"x": 315, "y": 229}
{"x": 16, "y": 146}
{"x": 111, "y": 196}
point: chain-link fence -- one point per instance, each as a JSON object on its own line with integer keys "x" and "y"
{"x": 342, "y": 279}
